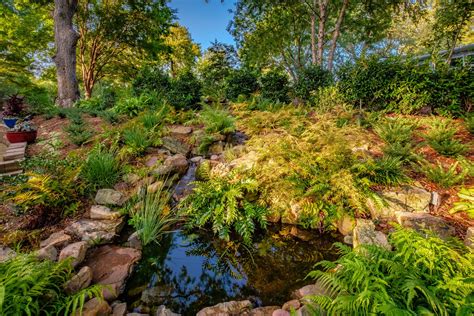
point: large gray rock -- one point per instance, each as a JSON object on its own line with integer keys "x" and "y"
{"x": 109, "y": 197}
{"x": 280, "y": 312}
{"x": 345, "y": 224}
{"x": 77, "y": 251}
{"x": 111, "y": 265}
{"x": 96, "y": 231}
{"x": 156, "y": 295}
{"x": 79, "y": 281}
{"x": 293, "y": 304}
{"x": 174, "y": 164}
{"x": 365, "y": 234}
{"x": 95, "y": 307}
{"x": 102, "y": 212}
{"x": 424, "y": 221}
{"x": 176, "y": 146}
{"x": 6, "y": 253}
{"x": 247, "y": 162}
{"x": 469, "y": 240}
{"x": 310, "y": 289}
{"x": 48, "y": 253}
{"x": 58, "y": 239}
{"x": 405, "y": 199}
{"x": 227, "y": 308}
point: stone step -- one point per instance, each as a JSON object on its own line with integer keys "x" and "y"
{"x": 13, "y": 173}
{"x": 17, "y": 145}
{"x": 15, "y": 153}
{"x": 10, "y": 166}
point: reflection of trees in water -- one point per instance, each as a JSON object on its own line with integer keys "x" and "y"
{"x": 268, "y": 269}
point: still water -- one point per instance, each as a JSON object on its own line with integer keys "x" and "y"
{"x": 189, "y": 271}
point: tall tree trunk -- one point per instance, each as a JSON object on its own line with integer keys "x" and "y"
{"x": 313, "y": 33}
{"x": 336, "y": 33}
{"x": 323, "y": 4}
{"x": 65, "y": 39}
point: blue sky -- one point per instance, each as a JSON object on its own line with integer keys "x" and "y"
{"x": 205, "y": 21}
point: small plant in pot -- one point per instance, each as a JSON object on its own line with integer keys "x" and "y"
{"x": 22, "y": 132}
{"x": 11, "y": 110}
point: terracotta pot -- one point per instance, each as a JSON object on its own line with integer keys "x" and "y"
{"x": 21, "y": 137}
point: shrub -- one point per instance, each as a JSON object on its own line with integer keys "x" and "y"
{"x": 466, "y": 202}
{"x": 310, "y": 80}
{"x": 153, "y": 119}
{"x": 441, "y": 138}
{"x": 405, "y": 86}
{"x": 423, "y": 275}
{"x": 221, "y": 203}
{"x": 29, "y": 286}
{"x": 274, "y": 86}
{"x": 101, "y": 169}
{"x": 241, "y": 82}
{"x": 445, "y": 177}
{"x": 152, "y": 217}
{"x": 151, "y": 79}
{"x": 132, "y": 106}
{"x": 103, "y": 98}
{"x": 185, "y": 91}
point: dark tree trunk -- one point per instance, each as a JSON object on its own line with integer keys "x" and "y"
{"x": 65, "y": 39}
{"x": 313, "y": 34}
{"x": 323, "y": 5}
{"x": 336, "y": 33}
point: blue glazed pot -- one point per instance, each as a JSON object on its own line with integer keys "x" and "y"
{"x": 10, "y": 122}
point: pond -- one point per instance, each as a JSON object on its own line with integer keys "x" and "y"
{"x": 190, "y": 271}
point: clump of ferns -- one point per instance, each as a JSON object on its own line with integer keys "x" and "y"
{"x": 423, "y": 275}
{"x": 227, "y": 204}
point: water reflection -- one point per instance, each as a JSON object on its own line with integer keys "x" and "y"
{"x": 189, "y": 271}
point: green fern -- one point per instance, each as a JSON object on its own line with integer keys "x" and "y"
{"x": 221, "y": 202}
{"x": 395, "y": 131}
{"x": 441, "y": 138}
{"x": 445, "y": 177}
{"x": 423, "y": 275}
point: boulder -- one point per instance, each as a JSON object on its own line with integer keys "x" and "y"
{"x": 291, "y": 216}
{"x": 119, "y": 309}
{"x": 310, "y": 289}
{"x": 348, "y": 239}
{"x": 280, "y": 312}
{"x": 345, "y": 224}
{"x": 469, "y": 239}
{"x": 96, "y": 231}
{"x": 293, "y": 304}
{"x": 152, "y": 161}
{"x": 365, "y": 234}
{"x": 102, "y": 212}
{"x": 197, "y": 159}
{"x": 405, "y": 199}
{"x": 174, "y": 164}
{"x": 264, "y": 311}
{"x": 155, "y": 187}
{"x": 95, "y": 307}
{"x": 176, "y": 146}
{"x": 424, "y": 221}
{"x": 48, "y": 253}
{"x": 58, "y": 239}
{"x": 181, "y": 130}
{"x": 111, "y": 265}
{"x": 76, "y": 250}
{"x": 227, "y": 308}
{"x": 109, "y": 197}
{"x": 6, "y": 253}
{"x": 79, "y": 281}
{"x": 305, "y": 311}
{"x": 163, "y": 311}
